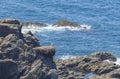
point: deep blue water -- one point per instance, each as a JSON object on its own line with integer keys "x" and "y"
{"x": 102, "y": 15}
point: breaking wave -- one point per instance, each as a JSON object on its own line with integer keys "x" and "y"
{"x": 118, "y": 61}
{"x": 54, "y": 28}
{"x": 64, "y": 57}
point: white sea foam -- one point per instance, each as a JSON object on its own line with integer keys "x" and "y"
{"x": 118, "y": 61}
{"x": 64, "y": 57}
{"x": 54, "y": 28}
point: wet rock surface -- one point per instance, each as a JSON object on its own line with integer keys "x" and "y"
{"x": 33, "y": 24}
{"x": 65, "y": 23}
{"x": 104, "y": 56}
{"x": 10, "y": 21}
{"x": 22, "y": 57}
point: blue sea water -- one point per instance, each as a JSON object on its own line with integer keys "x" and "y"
{"x": 102, "y": 15}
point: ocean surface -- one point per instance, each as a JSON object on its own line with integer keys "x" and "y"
{"x": 101, "y": 17}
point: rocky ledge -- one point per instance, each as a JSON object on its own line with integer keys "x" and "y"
{"x": 61, "y": 23}
{"x": 22, "y": 57}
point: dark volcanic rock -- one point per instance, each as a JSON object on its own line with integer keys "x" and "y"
{"x": 22, "y": 57}
{"x": 6, "y": 29}
{"x": 33, "y": 24}
{"x": 65, "y": 23}
{"x": 41, "y": 69}
{"x": 79, "y": 66}
{"x": 112, "y": 75}
{"x": 31, "y": 40}
{"x": 30, "y": 64}
{"x": 52, "y": 74}
{"x": 48, "y": 51}
{"x": 10, "y": 21}
{"x": 104, "y": 56}
{"x": 9, "y": 47}
{"x": 8, "y": 69}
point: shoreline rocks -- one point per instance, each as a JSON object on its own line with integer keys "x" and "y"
{"x": 65, "y": 23}
{"x": 48, "y": 51}
{"x": 104, "y": 56}
{"x": 10, "y": 21}
{"x": 36, "y": 24}
{"x": 22, "y": 57}
{"x": 6, "y": 29}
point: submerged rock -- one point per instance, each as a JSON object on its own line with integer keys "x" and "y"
{"x": 65, "y": 23}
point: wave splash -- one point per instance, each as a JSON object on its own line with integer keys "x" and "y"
{"x": 118, "y": 61}
{"x": 64, "y": 57}
{"x": 33, "y": 28}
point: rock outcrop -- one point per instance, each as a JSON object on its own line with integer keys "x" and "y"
{"x": 104, "y": 56}
{"x": 65, "y": 23}
{"x": 22, "y": 57}
{"x": 48, "y": 51}
{"x": 31, "y": 40}
{"x": 112, "y": 75}
{"x": 25, "y": 62}
{"x": 10, "y": 21}
{"x": 78, "y": 67}
{"x": 36, "y": 24}
{"x": 6, "y": 29}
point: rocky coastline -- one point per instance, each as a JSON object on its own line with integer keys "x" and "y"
{"x": 22, "y": 57}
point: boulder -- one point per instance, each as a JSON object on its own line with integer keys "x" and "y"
{"x": 10, "y": 21}
{"x": 8, "y": 69}
{"x": 36, "y": 24}
{"x": 6, "y": 29}
{"x": 48, "y": 51}
{"x": 65, "y": 23}
{"x": 104, "y": 56}
{"x": 31, "y": 40}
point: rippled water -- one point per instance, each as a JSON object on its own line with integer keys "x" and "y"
{"x": 102, "y": 15}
